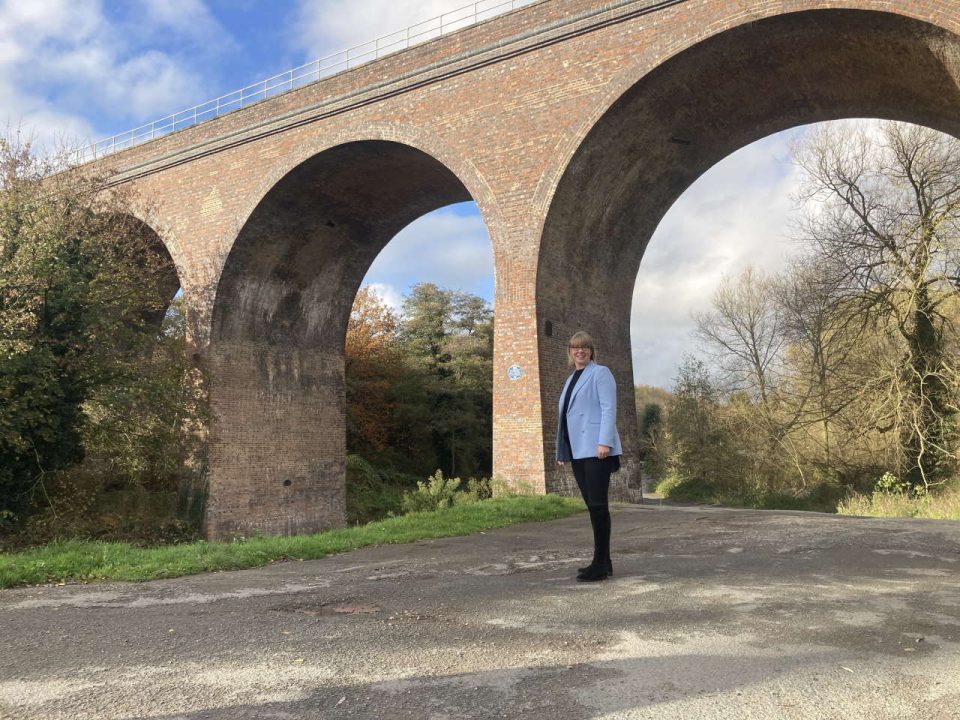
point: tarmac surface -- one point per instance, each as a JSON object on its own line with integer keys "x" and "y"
{"x": 712, "y": 613}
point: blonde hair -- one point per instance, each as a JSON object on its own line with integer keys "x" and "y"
{"x": 581, "y": 339}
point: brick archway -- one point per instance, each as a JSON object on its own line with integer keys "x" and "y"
{"x": 684, "y": 116}
{"x": 277, "y": 440}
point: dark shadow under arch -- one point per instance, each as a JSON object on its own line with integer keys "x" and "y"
{"x": 681, "y": 119}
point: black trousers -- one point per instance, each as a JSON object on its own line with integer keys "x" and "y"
{"x": 593, "y": 479}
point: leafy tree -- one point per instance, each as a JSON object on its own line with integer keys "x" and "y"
{"x": 651, "y": 435}
{"x": 78, "y": 282}
{"x": 419, "y": 387}
{"x": 373, "y": 364}
{"x": 450, "y": 334}
{"x": 427, "y": 311}
{"x": 695, "y": 436}
{"x": 135, "y": 422}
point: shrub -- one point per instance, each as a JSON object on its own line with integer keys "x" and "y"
{"x": 892, "y": 497}
{"x": 436, "y": 493}
{"x": 88, "y": 502}
{"x": 373, "y": 493}
{"x": 500, "y": 487}
{"x": 476, "y": 491}
{"x": 675, "y": 487}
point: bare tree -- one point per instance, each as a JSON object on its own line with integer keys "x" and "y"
{"x": 744, "y": 331}
{"x": 821, "y": 341}
{"x": 882, "y": 206}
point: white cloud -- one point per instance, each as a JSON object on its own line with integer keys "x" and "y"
{"x": 450, "y": 247}
{"x": 37, "y": 21}
{"x": 737, "y": 214}
{"x": 151, "y": 84}
{"x": 189, "y": 18}
{"x": 322, "y": 27}
{"x": 64, "y": 62}
{"x": 390, "y": 296}
{"x": 25, "y": 28}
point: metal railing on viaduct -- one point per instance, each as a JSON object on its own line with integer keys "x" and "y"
{"x": 311, "y": 72}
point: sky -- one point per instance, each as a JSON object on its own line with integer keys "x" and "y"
{"x": 75, "y": 71}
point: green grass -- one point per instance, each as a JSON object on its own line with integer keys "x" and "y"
{"x": 89, "y": 561}
{"x": 691, "y": 490}
{"x": 937, "y": 506}
{"x": 820, "y": 498}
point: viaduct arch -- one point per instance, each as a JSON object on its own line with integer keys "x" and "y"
{"x": 279, "y": 323}
{"x": 574, "y": 124}
{"x": 694, "y": 109}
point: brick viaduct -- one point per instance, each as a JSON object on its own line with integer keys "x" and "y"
{"x": 573, "y": 124}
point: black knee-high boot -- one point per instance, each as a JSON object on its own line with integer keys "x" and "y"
{"x": 605, "y": 518}
{"x": 599, "y": 569}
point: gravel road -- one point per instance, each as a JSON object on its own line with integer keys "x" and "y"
{"x": 712, "y": 613}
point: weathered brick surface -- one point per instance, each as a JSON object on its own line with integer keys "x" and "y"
{"x": 573, "y": 124}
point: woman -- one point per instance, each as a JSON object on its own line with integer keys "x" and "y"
{"x": 587, "y": 438}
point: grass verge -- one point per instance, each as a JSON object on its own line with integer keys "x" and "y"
{"x": 935, "y": 506}
{"x": 820, "y": 498}
{"x": 88, "y": 561}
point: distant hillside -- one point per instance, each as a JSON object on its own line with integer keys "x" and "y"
{"x": 649, "y": 394}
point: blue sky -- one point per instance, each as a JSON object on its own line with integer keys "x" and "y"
{"x": 81, "y": 70}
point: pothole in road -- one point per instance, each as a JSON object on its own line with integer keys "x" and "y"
{"x": 325, "y": 609}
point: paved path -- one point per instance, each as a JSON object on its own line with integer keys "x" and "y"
{"x": 713, "y": 613}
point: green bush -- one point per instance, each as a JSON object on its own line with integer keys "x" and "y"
{"x": 476, "y": 491}
{"x": 892, "y": 497}
{"x": 90, "y": 502}
{"x": 674, "y": 487}
{"x": 437, "y": 493}
{"x": 501, "y": 488}
{"x": 373, "y": 492}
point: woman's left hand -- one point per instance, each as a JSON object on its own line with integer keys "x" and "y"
{"x": 603, "y": 451}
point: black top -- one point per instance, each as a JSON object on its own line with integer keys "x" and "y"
{"x": 563, "y": 413}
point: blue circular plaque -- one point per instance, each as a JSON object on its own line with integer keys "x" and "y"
{"x": 514, "y": 372}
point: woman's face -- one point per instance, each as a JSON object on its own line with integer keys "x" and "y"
{"x": 580, "y": 356}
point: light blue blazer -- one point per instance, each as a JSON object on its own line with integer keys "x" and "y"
{"x": 591, "y": 415}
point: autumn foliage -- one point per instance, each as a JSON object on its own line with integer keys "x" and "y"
{"x": 419, "y": 386}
